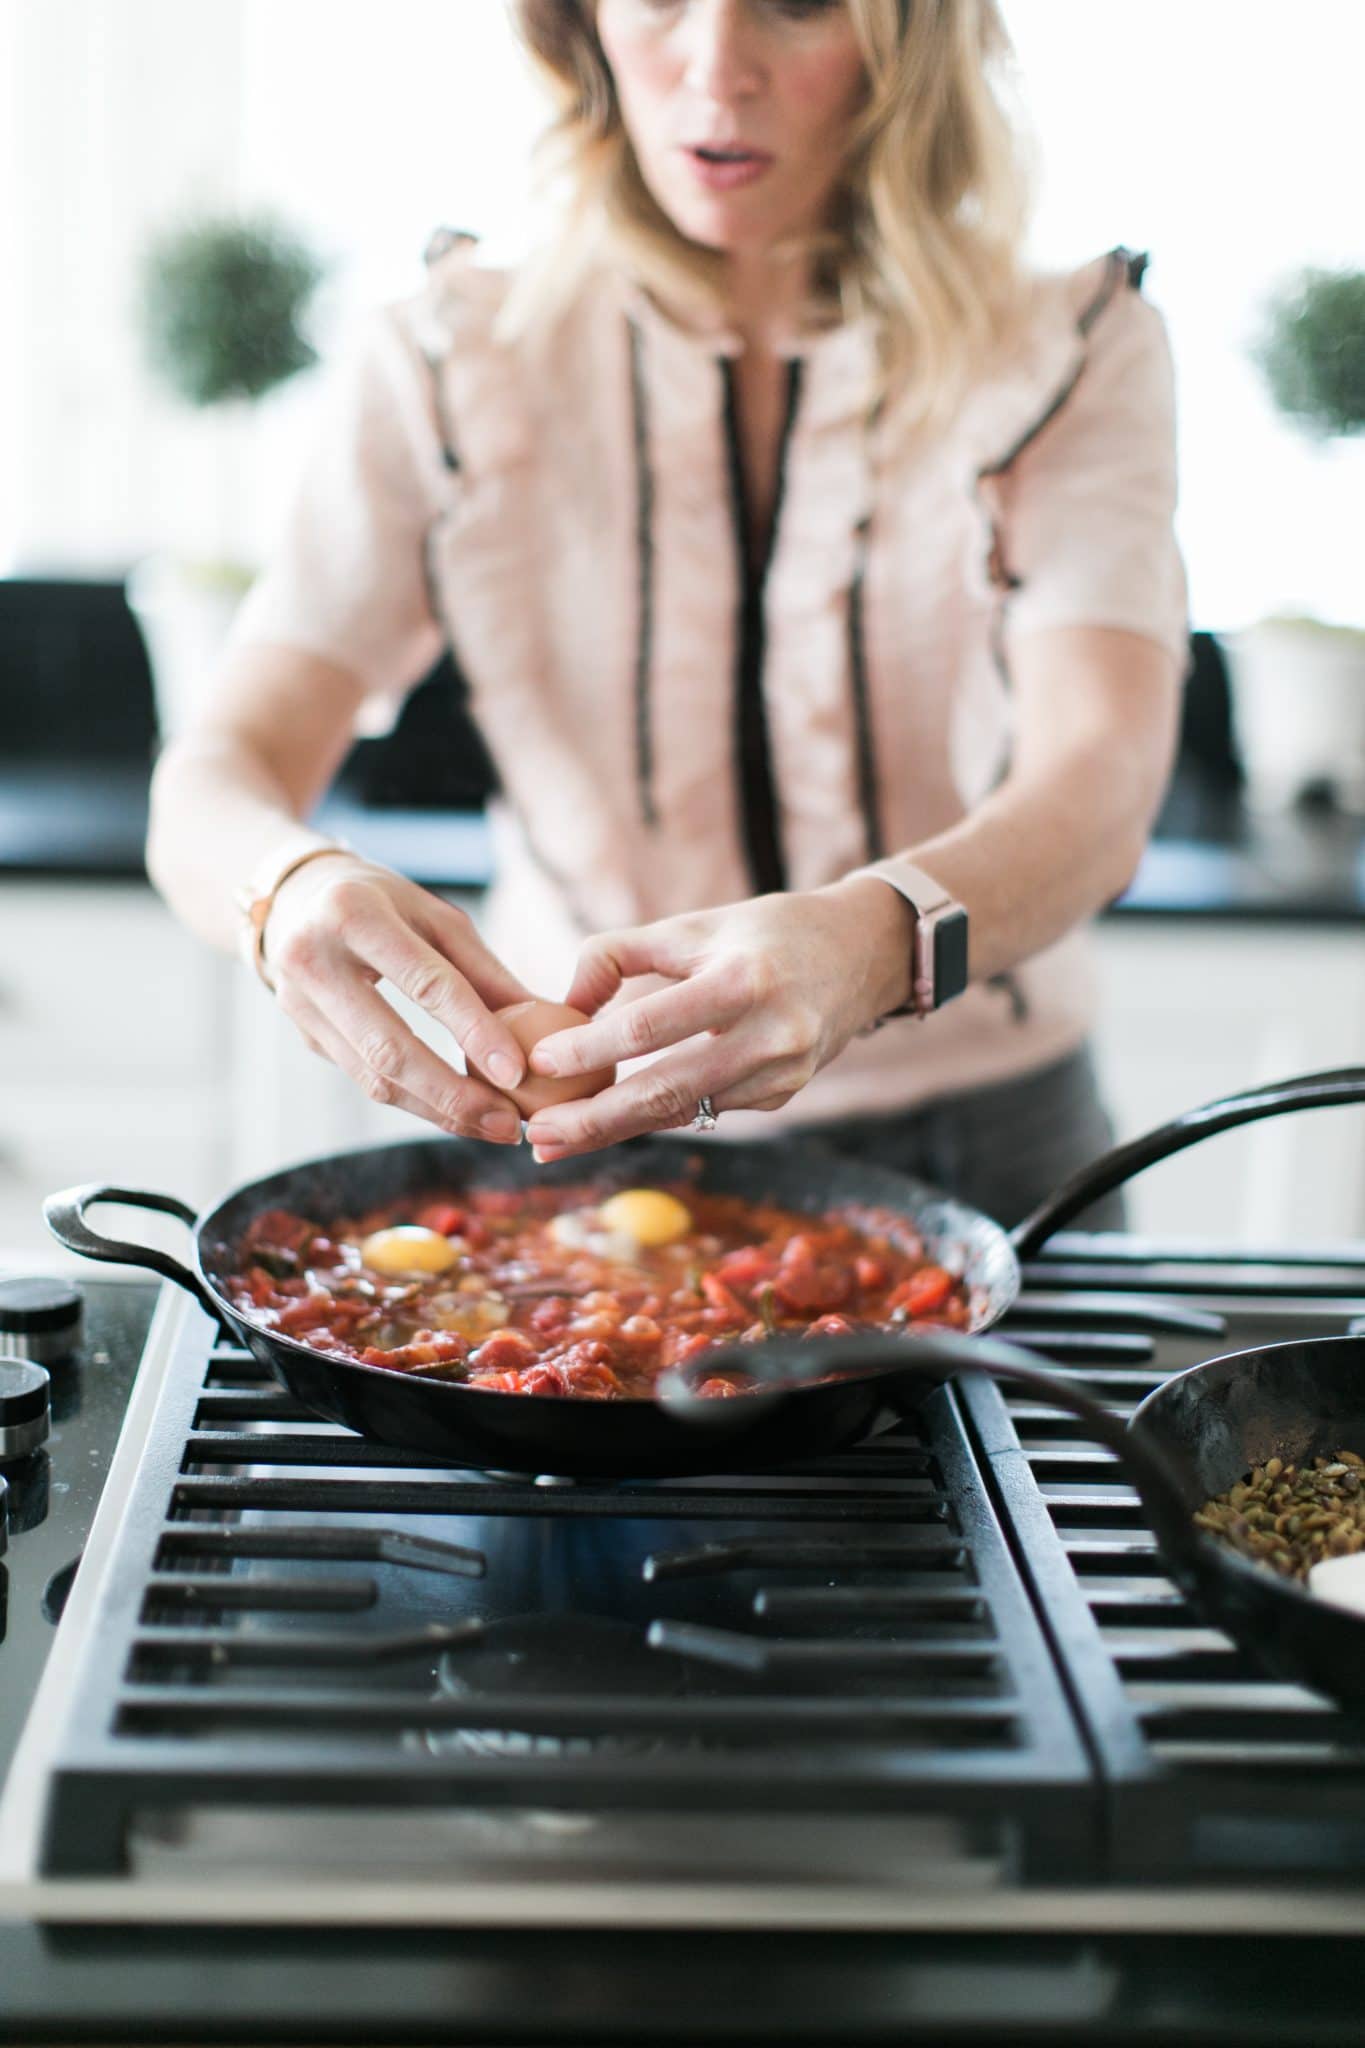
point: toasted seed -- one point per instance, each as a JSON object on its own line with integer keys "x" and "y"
{"x": 1290, "y": 1516}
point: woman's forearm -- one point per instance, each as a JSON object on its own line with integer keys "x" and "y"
{"x": 1063, "y": 833}
{"x": 231, "y": 795}
{"x": 216, "y": 816}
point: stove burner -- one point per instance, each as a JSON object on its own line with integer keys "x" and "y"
{"x": 548, "y": 1657}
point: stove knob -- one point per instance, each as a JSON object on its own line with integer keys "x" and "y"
{"x": 24, "y": 1391}
{"x": 39, "y": 1319}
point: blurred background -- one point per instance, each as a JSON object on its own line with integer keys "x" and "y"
{"x": 1217, "y": 137}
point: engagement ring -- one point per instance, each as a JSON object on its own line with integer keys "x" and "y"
{"x": 705, "y": 1118}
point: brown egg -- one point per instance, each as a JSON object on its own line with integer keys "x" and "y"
{"x": 528, "y": 1023}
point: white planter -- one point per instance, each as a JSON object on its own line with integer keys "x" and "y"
{"x": 1298, "y": 700}
{"x": 184, "y": 614}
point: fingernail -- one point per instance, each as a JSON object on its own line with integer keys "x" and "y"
{"x": 503, "y": 1069}
{"x": 546, "y": 1155}
{"x": 501, "y": 1125}
{"x": 544, "y": 1061}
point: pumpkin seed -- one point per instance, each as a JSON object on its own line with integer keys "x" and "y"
{"x": 1290, "y": 1517}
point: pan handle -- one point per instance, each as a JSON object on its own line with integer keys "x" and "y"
{"x": 64, "y": 1215}
{"x": 787, "y": 1363}
{"x": 1275, "y": 1098}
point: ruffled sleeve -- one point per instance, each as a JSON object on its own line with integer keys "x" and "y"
{"x": 1085, "y": 507}
{"x": 348, "y": 579}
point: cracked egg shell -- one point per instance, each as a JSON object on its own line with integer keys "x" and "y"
{"x": 528, "y": 1023}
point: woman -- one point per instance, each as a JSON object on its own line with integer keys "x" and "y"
{"x": 811, "y": 568}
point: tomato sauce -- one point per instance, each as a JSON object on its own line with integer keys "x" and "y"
{"x": 539, "y": 1298}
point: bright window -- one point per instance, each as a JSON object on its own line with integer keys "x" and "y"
{"x": 1221, "y": 135}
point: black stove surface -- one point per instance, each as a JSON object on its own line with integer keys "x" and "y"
{"x": 298, "y": 1618}
{"x": 1076, "y": 1723}
{"x": 53, "y": 1494}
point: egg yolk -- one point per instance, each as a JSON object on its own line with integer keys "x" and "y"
{"x": 408, "y": 1248}
{"x": 648, "y": 1215}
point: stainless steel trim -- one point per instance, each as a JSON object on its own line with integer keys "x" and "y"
{"x": 41, "y": 1347}
{"x": 21, "y": 1439}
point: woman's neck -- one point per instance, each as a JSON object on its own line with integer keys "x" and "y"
{"x": 765, "y": 297}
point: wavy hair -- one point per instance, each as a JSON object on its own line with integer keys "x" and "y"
{"x": 932, "y": 205}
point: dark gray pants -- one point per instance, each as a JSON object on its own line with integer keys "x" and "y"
{"x": 1003, "y": 1148}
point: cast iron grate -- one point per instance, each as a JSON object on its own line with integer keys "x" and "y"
{"x": 1213, "y": 1769}
{"x": 294, "y": 1618}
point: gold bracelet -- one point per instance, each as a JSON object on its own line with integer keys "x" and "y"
{"x": 256, "y": 909}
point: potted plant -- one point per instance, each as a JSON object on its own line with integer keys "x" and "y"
{"x": 1299, "y": 682}
{"x": 221, "y": 307}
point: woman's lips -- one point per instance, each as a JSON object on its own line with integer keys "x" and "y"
{"x": 724, "y": 170}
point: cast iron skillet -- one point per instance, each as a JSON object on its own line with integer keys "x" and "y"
{"x": 639, "y": 1438}
{"x": 1195, "y": 1436}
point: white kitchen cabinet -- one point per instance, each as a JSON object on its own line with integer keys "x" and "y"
{"x": 1195, "y": 1009}
{"x": 115, "y": 1052}
{"x": 136, "y": 1055}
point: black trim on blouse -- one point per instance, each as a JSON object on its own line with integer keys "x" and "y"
{"x": 644, "y": 582}
{"x": 759, "y": 811}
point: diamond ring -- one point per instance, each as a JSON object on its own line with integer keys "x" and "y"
{"x": 705, "y": 1118}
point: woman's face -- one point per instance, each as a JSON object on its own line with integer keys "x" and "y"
{"x": 738, "y": 110}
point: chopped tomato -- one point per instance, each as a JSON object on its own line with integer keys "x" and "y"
{"x": 923, "y": 1292}
{"x": 503, "y": 1349}
{"x": 728, "y": 1309}
{"x": 548, "y": 1317}
{"x": 803, "y": 1283}
{"x": 747, "y": 1267}
{"x": 442, "y": 1217}
{"x": 830, "y": 1326}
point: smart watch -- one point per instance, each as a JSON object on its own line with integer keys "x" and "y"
{"x": 939, "y": 957}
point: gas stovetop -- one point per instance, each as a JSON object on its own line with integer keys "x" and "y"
{"x": 940, "y": 1682}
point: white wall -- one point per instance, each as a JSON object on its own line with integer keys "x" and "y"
{"x": 1225, "y": 137}
{"x": 1220, "y": 134}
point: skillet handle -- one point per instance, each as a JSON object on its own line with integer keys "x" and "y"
{"x": 1275, "y": 1098}
{"x": 935, "y": 1356}
{"x": 64, "y": 1215}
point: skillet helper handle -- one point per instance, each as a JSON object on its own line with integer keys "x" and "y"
{"x": 789, "y": 1363}
{"x": 1277, "y": 1098}
{"x": 64, "y": 1215}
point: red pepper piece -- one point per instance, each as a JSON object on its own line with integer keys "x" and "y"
{"x": 727, "y": 1306}
{"x": 923, "y": 1292}
{"x": 442, "y": 1217}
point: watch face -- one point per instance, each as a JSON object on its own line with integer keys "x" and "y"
{"x": 950, "y": 955}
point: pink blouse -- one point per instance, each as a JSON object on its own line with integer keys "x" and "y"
{"x": 668, "y": 734}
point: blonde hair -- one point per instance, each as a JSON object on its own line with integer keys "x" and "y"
{"x": 932, "y": 205}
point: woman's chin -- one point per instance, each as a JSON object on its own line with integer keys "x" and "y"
{"x": 725, "y": 225}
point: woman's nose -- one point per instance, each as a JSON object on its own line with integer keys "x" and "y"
{"x": 724, "y": 54}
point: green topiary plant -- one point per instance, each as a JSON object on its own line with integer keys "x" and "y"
{"x": 1299, "y": 682}
{"x": 1312, "y": 350}
{"x": 221, "y": 308}
{"x": 223, "y": 303}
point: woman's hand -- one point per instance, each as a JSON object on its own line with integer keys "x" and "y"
{"x": 340, "y": 924}
{"x": 764, "y": 994}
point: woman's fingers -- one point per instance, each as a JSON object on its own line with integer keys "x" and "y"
{"x": 733, "y": 1073}
{"x": 708, "y": 1002}
{"x": 365, "y": 1037}
{"x": 672, "y": 948}
{"x": 453, "y": 933}
{"x": 409, "y": 963}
